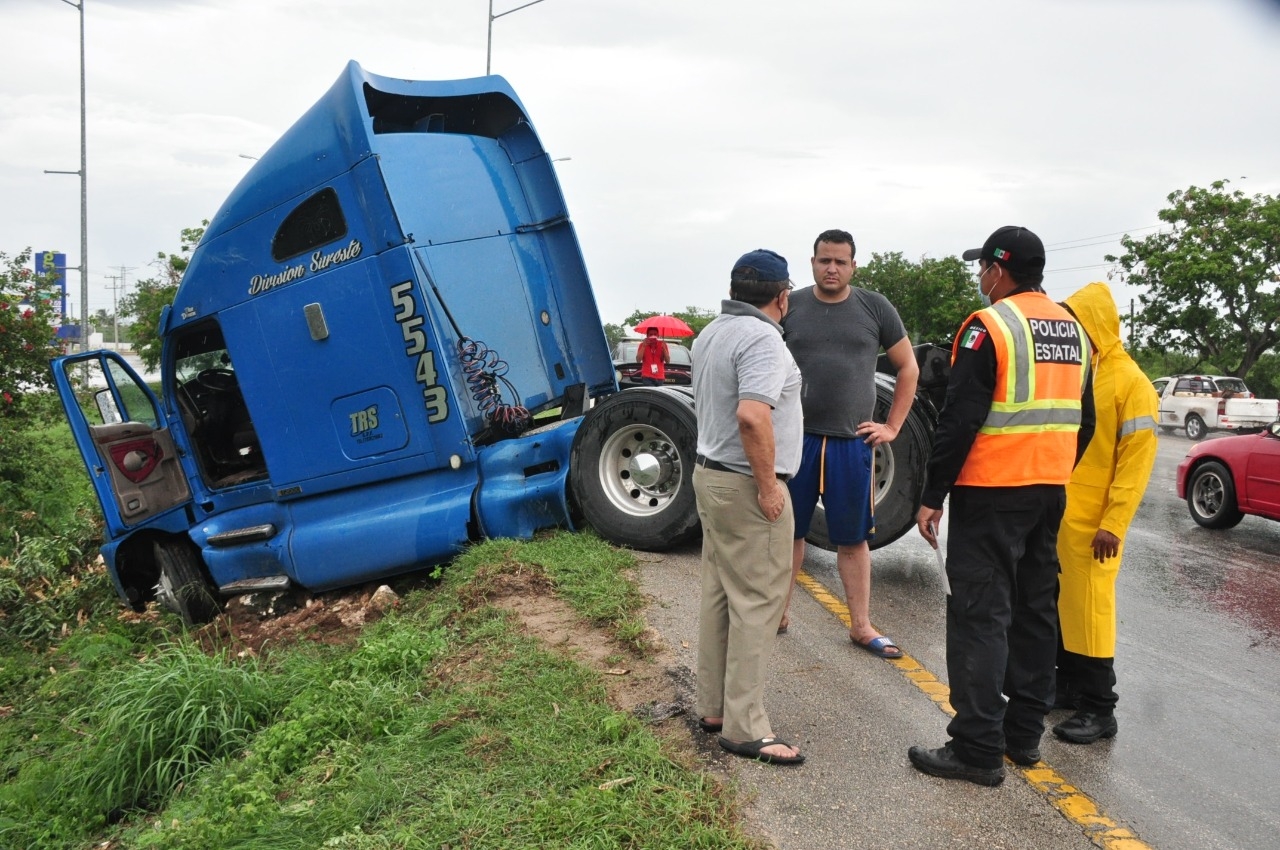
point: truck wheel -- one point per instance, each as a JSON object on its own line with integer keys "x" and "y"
{"x": 1211, "y": 496}
{"x": 1195, "y": 427}
{"x": 631, "y": 468}
{"x": 182, "y": 588}
{"x": 898, "y": 469}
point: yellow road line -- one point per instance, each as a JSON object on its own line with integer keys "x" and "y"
{"x": 1074, "y": 805}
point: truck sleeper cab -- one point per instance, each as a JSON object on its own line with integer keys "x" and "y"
{"x": 384, "y": 347}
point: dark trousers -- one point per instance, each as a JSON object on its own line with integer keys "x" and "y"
{"x": 1092, "y": 680}
{"x": 1002, "y": 617}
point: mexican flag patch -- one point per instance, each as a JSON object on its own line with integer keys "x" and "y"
{"x": 973, "y": 337}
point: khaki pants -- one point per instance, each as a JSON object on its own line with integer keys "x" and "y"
{"x": 746, "y": 571}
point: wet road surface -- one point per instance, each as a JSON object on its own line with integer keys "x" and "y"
{"x": 1196, "y": 763}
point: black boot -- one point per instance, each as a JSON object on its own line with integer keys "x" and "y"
{"x": 1085, "y": 727}
{"x": 945, "y": 763}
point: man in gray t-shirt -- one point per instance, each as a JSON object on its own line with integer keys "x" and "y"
{"x": 835, "y": 330}
{"x": 746, "y": 386}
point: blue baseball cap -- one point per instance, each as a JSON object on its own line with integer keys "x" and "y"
{"x": 762, "y": 265}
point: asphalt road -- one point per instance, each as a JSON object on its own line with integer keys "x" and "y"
{"x": 1196, "y": 762}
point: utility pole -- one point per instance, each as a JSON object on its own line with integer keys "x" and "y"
{"x": 118, "y": 284}
{"x": 115, "y": 326}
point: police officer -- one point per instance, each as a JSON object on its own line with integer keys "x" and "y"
{"x": 1018, "y": 416}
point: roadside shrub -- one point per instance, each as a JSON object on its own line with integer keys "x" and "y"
{"x": 1264, "y": 377}
{"x": 45, "y": 592}
{"x": 27, "y": 340}
{"x": 158, "y": 723}
{"x": 50, "y": 527}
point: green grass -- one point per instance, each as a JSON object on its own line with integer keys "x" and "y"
{"x": 441, "y": 726}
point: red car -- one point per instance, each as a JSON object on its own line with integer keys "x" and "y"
{"x": 1222, "y": 480}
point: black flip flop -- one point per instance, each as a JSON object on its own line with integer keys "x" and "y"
{"x": 709, "y": 727}
{"x": 753, "y": 750}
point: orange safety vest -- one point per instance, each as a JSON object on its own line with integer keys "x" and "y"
{"x": 1029, "y": 436}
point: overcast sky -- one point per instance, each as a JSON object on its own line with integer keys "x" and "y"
{"x": 696, "y": 130}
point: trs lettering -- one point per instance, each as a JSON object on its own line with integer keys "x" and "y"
{"x": 365, "y": 420}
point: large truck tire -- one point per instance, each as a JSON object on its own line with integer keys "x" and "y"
{"x": 899, "y": 472}
{"x": 182, "y": 587}
{"x": 631, "y": 468}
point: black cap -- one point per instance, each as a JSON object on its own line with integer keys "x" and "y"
{"x": 1016, "y": 248}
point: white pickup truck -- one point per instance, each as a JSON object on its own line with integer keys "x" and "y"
{"x": 1204, "y": 403}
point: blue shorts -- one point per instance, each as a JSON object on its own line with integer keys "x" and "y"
{"x": 839, "y": 470}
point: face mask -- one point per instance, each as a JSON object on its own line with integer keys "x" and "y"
{"x": 986, "y": 298}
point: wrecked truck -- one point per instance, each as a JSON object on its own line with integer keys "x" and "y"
{"x": 385, "y": 347}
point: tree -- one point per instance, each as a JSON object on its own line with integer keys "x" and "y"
{"x": 27, "y": 336}
{"x": 932, "y": 296}
{"x": 27, "y": 342}
{"x": 152, "y": 295}
{"x": 1264, "y": 378}
{"x": 1211, "y": 277}
{"x": 614, "y": 334}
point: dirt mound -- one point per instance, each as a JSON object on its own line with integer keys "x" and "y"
{"x": 636, "y": 684}
{"x": 256, "y": 621}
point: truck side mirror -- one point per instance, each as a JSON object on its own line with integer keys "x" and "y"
{"x": 1274, "y": 428}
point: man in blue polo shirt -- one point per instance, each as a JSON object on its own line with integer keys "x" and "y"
{"x": 746, "y": 386}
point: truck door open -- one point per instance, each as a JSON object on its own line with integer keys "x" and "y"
{"x": 124, "y": 438}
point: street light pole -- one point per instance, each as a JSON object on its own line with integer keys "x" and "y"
{"x": 488, "y": 54}
{"x": 84, "y": 197}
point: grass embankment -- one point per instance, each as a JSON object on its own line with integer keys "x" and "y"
{"x": 441, "y": 725}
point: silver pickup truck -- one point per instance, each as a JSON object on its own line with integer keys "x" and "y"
{"x": 1204, "y": 403}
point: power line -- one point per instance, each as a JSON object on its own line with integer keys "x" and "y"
{"x": 1080, "y": 268}
{"x": 1102, "y": 235}
{"x": 1084, "y": 245}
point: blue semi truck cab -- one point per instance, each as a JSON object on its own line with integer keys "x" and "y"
{"x": 385, "y": 346}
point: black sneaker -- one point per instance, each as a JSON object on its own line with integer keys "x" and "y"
{"x": 1085, "y": 727}
{"x": 1025, "y": 758}
{"x": 946, "y": 764}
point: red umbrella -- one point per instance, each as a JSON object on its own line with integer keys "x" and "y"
{"x": 666, "y": 325}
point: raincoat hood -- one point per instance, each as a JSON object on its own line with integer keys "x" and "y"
{"x": 1095, "y": 307}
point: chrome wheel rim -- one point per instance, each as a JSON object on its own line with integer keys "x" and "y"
{"x": 641, "y": 471}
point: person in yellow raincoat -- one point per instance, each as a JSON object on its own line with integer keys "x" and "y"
{"x": 1102, "y": 498}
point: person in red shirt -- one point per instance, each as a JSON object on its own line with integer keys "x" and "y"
{"x": 654, "y": 357}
